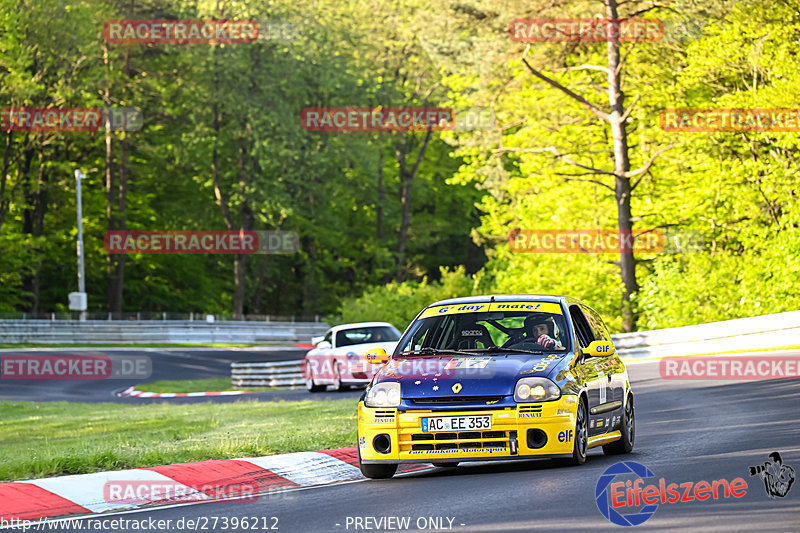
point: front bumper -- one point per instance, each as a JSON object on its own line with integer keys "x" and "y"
{"x": 551, "y": 426}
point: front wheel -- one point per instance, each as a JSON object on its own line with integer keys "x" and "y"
{"x": 337, "y": 378}
{"x": 628, "y": 430}
{"x": 581, "y": 443}
{"x": 311, "y": 385}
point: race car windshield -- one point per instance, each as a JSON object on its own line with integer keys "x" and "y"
{"x": 490, "y": 331}
{"x": 349, "y": 337}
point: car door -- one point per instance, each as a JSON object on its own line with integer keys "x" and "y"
{"x": 588, "y": 373}
{"x": 612, "y": 367}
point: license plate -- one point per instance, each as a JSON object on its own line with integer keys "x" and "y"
{"x": 456, "y": 423}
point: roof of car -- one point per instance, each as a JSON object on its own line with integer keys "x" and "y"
{"x": 506, "y": 298}
{"x": 359, "y": 325}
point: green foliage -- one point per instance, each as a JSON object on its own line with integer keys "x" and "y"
{"x": 399, "y": 303}
{"x": 231, "y": 111}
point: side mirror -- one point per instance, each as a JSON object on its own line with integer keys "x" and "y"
{"x": 377, "y": 356}
{"x": 317, "y": 340}
{"x": 599, "y": 349}
{"x": 324, "y": 344}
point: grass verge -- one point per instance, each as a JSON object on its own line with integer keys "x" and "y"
{"x": 58, "y": 438}
{"x": 195, "y": 385}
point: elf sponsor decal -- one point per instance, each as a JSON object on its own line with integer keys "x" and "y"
{"x": 626, "y": 499}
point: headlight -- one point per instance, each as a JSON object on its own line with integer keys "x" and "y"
{"x": 386, "y": 394}
{"x": 536, "y": 390}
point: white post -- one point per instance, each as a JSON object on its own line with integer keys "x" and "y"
{"x": 81, "y": 276}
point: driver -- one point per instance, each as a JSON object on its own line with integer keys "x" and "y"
{"x": 541, "y": 329}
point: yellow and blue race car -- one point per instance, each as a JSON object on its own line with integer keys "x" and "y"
{"x": 496, "y": 377}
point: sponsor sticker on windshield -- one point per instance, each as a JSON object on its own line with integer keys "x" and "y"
{"x": 539, "y": 307}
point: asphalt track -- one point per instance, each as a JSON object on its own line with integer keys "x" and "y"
{"x": 686, "y": 431}
{"x": 167, "y": 364}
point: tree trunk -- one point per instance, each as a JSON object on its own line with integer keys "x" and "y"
{"x": 622, "y": 183}
{"x": 406, "y": 180}
{"x": 381, "y": 199}
{"x": 4, "y": 205}
{"x": 111, "y": 192}
{"x": 38, "y": 229}
{"x": 122, "y": 224}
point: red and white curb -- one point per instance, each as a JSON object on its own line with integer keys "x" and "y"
{"x": 86, "y": 493}
{"x": 132, "y": 392}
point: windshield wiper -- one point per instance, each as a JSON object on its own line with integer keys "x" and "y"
{"x": 431, "y": 351}
{"x": 498, "y": 349}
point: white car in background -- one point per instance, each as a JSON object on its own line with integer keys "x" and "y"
{"x": 338, "y": 359}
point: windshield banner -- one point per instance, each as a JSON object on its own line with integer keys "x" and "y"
{"x": 539, "y": 307}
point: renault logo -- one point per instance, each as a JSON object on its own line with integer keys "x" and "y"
{"x": 457, "y": 388}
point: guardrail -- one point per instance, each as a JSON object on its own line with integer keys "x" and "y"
{"x": 766, "y": 331}
{"x": 759, "y": 332}
{"x": 273, "y": 374}
{"x": 164, "y": 331}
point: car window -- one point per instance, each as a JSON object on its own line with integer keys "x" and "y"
{"x": 582, "y": 329}
{"x": 349, "y": 337}
{"x": 486, "y": 330}
{"x": 328, "y": 337}
{"x": 596, "y": 323}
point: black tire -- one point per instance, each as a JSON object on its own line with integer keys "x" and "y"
{"x": 581, "y": 443}
{"x": 311, "y": 386}
{"x": 627, "y": 428}
{"x": 445, "y": 465}
{"x": 375, "y": 471}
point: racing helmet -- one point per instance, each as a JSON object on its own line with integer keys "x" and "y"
{"x": 542, "y": 318}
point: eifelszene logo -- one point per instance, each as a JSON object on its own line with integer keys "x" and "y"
{"x": 777, "y": 477}
{"x": 641, "y": 500}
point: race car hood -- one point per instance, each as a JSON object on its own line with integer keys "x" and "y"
{"x": 477, "y": 375}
